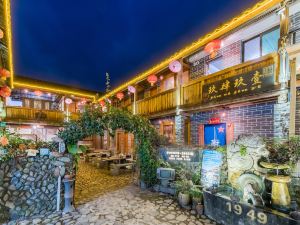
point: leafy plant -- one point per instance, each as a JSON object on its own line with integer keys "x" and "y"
{"x": 284, "y": 152}
{"x": 183, "y": 186}
{"x": 95, "y": 121}
{"x": 243, "y": 150}
{"x": 195, "y": 192}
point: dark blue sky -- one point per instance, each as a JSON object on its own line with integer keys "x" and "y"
{"x": 75, "y": 42}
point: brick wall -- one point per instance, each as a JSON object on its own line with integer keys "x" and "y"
{"x": 231, "y": 56}
{"x": 254, "y": 119}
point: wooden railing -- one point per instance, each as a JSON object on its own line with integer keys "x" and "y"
{"x": 23, "y": 114}
{"x": 157, "y": 103}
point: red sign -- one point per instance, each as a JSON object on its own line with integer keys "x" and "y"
{"x": 214, "y": 120}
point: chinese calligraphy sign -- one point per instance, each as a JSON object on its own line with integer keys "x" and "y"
{"x": 252, "y": 82}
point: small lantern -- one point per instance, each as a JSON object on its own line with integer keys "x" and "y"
{"x": 108, "y": 100}
{"x": 4, "y": 73}
{"x": 212, "y": 47}
{"x": 5, "y": 91}
{"x": 152, "y": 79}
{"x": 175, "y": 66}
{"x": 102, "y": 103}
{"x": 1, "y": 34}
{"x": 68, "y": 101}
{"x": 38, "y": 93}
{"x": 131, "y": 89}
{"x": 161, "y": 77}
{"x": 120, "y": 95}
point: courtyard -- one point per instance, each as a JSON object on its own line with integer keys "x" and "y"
{"x": 114, "y": 200}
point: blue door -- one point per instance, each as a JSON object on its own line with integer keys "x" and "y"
{"x": 215, "y": 134}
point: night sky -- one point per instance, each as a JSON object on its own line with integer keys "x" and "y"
{"x": 75, "y": 42}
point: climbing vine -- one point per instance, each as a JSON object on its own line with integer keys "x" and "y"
{"x": 95, "y": 121}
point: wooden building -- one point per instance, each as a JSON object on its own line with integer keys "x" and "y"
{"x": 239, "y": 78}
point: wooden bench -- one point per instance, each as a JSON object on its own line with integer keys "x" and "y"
{"x": 115, "y": 168}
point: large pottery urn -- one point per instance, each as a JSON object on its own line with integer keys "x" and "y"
{"x": 184, "y": 199}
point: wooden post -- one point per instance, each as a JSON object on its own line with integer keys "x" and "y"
{"x": 293, "y": 93}
{"x": 134, "y": 109}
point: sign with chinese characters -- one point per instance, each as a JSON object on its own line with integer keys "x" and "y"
{"x": 180, "y": 155}
{"x": 211, "y": 168}
{"x": 254, "y": 81}
{"x": 214, "y": 120}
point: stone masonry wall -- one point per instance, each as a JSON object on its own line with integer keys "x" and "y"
{"x": 28, "y": 186}
{"x": 249, "y": 119}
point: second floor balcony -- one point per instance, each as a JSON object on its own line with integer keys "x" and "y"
{"x": 42, "y": 116}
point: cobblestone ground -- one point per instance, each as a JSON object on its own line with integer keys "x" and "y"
{"x": 116, "y": 202}
{"x": 128, "y": 206}
{"x": 92, "y": 182}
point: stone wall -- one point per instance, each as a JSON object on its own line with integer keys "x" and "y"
{"x": 253, "y": 118}
{"x": 28, "y": 186}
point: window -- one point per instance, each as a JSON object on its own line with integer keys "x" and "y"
{"x": 270, "y": 42}
{"x": 252, "y": 49}
{"x": 169, "y": 83}
{"x": 261, "y": 45}
{"x": 215, "y": 65}
{"x": 47, "y": 105}
{"x": 27, "y": 103}
{"x": 37, "y": 104}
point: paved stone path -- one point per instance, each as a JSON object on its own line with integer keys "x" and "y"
{"x": 92, "y": 182}
{"x": 127, "y": 206}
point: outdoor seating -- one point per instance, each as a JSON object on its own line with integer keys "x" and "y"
{"x": 115, "y": 168}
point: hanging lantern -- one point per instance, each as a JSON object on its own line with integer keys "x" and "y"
{"x": 212, "y": 47}
{"x": 102, "y": 103}
{"x": 4, "y": 73}
{"x": 161, "y": 77}
{"x": 175, "y": 66}
{"x": 5, "y": 91}
{"x": 120, "y": 95}
{"x": 68, "y": 101}
{"x": 38, "y": 93}
{"x": 131, "y": 89}
{"x": 152, "y": 79}
{"x": 1, "y": 34}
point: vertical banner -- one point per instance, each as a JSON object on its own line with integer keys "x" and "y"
{"x": 211, "y": 168}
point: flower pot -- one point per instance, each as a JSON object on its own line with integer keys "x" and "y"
{"x": 196, "y": 201}
{"x": 199, "y": 209}
{"x": 184, "y": 199}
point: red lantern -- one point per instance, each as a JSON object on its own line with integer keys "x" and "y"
{"x": 102, "y": 103}
{"x": 212, "y": 47}
{"x": 4, "y": 73}
{"x": 38, "y": 93}
{"x": 152, "y": 79}
{"x": 5, "y": 91}
{"x": 120, "y": 96}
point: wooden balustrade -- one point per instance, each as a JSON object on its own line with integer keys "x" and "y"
{"x": 157, "y": 103}
{"x": 23, "y": 114}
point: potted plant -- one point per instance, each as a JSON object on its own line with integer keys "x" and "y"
{"x": 196, "y": 195}
{"x": 183, "y": 188}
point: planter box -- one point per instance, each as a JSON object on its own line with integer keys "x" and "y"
{"x": 224, "y": 211}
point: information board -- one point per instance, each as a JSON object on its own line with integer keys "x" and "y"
{"x": 211, "y": 168}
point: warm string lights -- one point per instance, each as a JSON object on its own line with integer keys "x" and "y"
{"x": 248, "y": 14}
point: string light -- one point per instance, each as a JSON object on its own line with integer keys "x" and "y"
{"x": 248, "y": 14}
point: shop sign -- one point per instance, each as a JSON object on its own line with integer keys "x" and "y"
{"x": 214, "y": 120}
{"x": 180, "y": 155}
{"x": 211, "y": 168}
{"x": 254, "y": 81}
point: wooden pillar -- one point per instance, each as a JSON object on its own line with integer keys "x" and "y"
{"x": 134, "y": 109}
{"x": 293, "y": 93}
